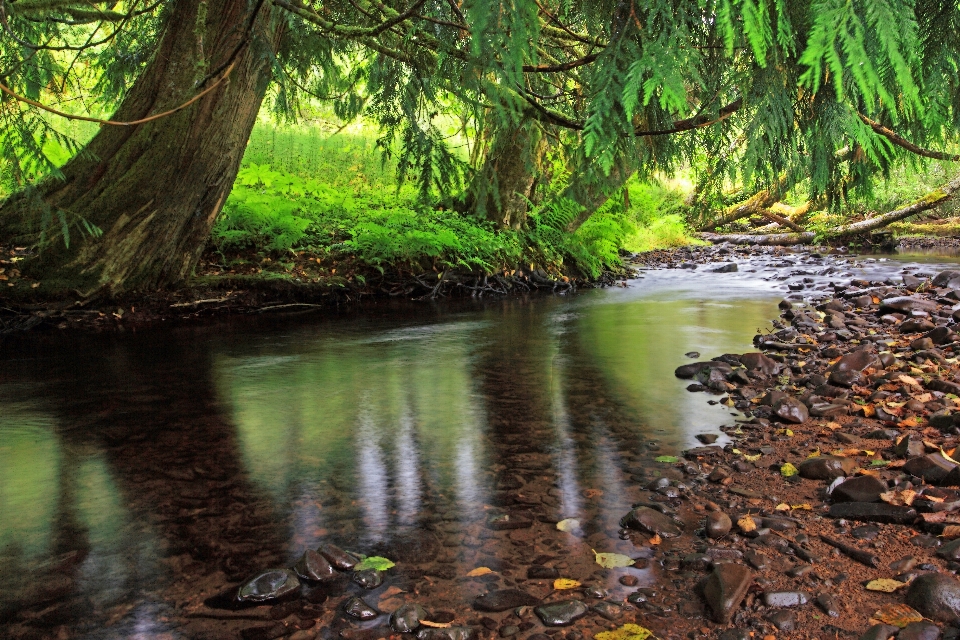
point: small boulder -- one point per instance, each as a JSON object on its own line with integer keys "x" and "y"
{"x": 826, "y": 467}
{"x": 504, "y": 599}
{"x": 790, "y": 409}
{"x": 933, "y": 468}
{"x": 725, "y": 589}
{"x": 718, "y": 524}
{"x": 268, "y": 586}
{"x": 873, "y": 512}
{"x": 936, "y": 596}
{"x": 407, "y": 618}
{"x": 651, "y": 521}
{"x": 561, "y": 614}
{"x": 860, "y": 489}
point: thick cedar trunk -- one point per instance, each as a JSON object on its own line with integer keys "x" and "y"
{"x": 505, "y": 184}
{"x": 155, "y": 189}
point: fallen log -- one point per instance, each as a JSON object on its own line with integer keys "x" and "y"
{"x": 926, "y": 203}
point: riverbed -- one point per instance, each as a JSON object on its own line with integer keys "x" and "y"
{"x": 144, "y": 473}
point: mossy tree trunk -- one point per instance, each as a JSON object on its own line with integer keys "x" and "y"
{"x": 156, "y": 189}
{"x": 505, "y": 185}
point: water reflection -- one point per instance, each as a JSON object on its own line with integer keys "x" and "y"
{"x": 143, "y": 471}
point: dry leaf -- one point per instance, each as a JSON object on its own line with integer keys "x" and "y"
{"x": 899, "y": 615}
{"x": 834, "y": 425}
{"x": 436, "y": 625}
{"x": 747, "y": 524}
{"x": 909, "y": 423}
{"x": 951, "y": 531}
{"x": 869, "y": 410}
{"x": 561, "y": 584}
{"x": 899, "y": 498}
{"x": 923, "y": 397}
{"x": 885, "y": 585}
{"x": 626, "y": 632}
{"x": 913, "y": 382}
{"x": 479, "y": 571}
{"x": 655, "y": 540}
{"x": 783, "y": 506}
{"x": 570, "y": 524}
{"x": 803, "y": 507}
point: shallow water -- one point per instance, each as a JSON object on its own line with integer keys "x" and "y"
{"x": 142, "y": 472}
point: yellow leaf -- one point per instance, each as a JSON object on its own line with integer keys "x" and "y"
{"x": 899, "y": 615}
{"x": 885, "y": 585}
{"x": 736, "y": 451}
{"x": 788, "y": 470}
{"x": 785, "y": 432}
{"x": 565, "y": 583}
{"x": 869, "y": 410}
{"x": 626, "y": 632}
{"x": 655, "y": 540}
{"x": 814, "y": 454}
{"x": 569, "y": 524}
{"x": 436, "y": 625}
{"x": 944, "y": 454}
{"x": 753, "y": 458}
{"x": 479, "y": 571}
{"x": 783, "y": 506}
{"x": 803, "y": 507}
{"x": 612, "y": 560}
{"x": 747, "y": 524}
{"x": 834, "y": 425}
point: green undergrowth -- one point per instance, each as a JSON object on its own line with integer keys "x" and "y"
{"x": 333, "y": 198}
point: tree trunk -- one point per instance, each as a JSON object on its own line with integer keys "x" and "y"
{"x": 505, "y": 185}
{"x": 155, "y": 189}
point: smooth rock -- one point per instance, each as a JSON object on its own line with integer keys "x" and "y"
{"x": 538, "y": 572}
{"x": 783, "y": 620}
{"x": 357, "y": 608}
{"x": 919, "y": 631}
{"x": 859, "y": 489}
{"x": 826, "y": 467}
{"x": 652, "y": 522}
{"x": 782, "y": 599}
{"x": 407, "y": 618}
{"x": 268, "y": 586}
{"x": 368, "y": 578}
{"x": 451, "y": 633}
{"x": 727, "y": 268}
{"x": 718, "y": 524}
{"x": 855, "y": 361}
{"x": 828, "y": 604}
{"x": 504, "y": 599}
{"x": 790, "y": 409}
{"x": 725, "y": 589}
{"x": 313, "y": 566}
{"x": 936, "y": 596}
{"x": 950, "y": 551}
{"x": 561, "y": 614}
{"x": 933, "y": 467}
{"x": 760, "y": 363}
{"x": 707, "y": 438}
{"x": 873, "y": 512}
{"x": 907, "y": 304}
{"x": 880, "y": 632}
{"x": 338, "y": 557}
{"x": 909, "y": 447}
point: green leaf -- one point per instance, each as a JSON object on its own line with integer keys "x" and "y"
{"x": 788, "y": 470}
{"x": 374, "y": 562}
{"x": 669, "y": 459}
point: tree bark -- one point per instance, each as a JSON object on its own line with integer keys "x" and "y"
{"x": 870, "y": 224}
{"x": 505, "y": 184}
{"x": 155, "y": 189}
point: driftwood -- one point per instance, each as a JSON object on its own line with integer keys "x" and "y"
{"x": 870, "y": 224}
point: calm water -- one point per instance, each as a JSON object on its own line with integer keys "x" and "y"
{"x": 142, "y": 472}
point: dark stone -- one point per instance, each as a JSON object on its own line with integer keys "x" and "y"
{"x": 790, "y": 409}
{"x": 760, "y": 363}
{"x": 407, "y": 618}
{"x": 845, "y": 378}
{"x": 757, "y": 560}
{"x": 725, "y": 589}
{"x": 941, "y": 335}
{"x": 906, "y": 304}
{"x": 855, "y": 361}
{"x": 538, "y": 572}
{"x": 561, "y": 614}
{"x": 357, "y": 608}
{"x": 269, "y": 632}
{"x": 880, "y": 632}
{"x": 919, "y": 631}
{"x": 268, "y": 586}
{"x": 922, "y": 344}
{"x": 828, "y": 604}
{"x": 860, "y": 489}
{"x": 826, "y": 467}
{"x": 368, "y": 578}
{"x": 782, "y": 620}
{"x": 883, "y": 434}
{"x": 909, "y": 447}
{"x": 873, "y": 512}
{"x": 947, "y": 279}
{"x": 916, "y": 325}
{"x": 651, "y": 521}
{"x": 718, "y": 524}
{"x": 504, "y": 599}
{"x": 783, "y": 599}
{"x": 933, "y": 468}
{"x": 936, "y": 596}
{"x": 506, "y": 521}
{"x": 866, "y": 532}
{"x": 950, "y": 551}
{"x": 338, "y": 557}
{"x": 608, "y": 610}
{"x": 707, "y": 438}
{"x": 452, "y": 633}
{"x": 727, "y": 268}
{"x": 314, "y": 567}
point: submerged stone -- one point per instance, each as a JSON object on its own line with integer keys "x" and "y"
{"x": 357, "y": 608}
{"x": 338, "y": 557}
{"x": 561, "y": 614}
{"x": 652, "y": 522}
{"x": 407, "y": 618}
{"x": 368, "y": 578}
{"x": 268, "y": 586}
{"x": 313, "y": 566}
{"x": 504, "y": 599}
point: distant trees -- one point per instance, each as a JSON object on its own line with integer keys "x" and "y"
{"x": 561, "y": 101}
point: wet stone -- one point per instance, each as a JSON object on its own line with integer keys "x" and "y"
{"x": 909, "y": 447}
{"x": 357, "y": 608}
{"x": 725, "y": 589}
{"x": 707, "y": 438}
{"x": 268, "y": 586}
{"x": 338, "y": 557}
{"x": 790, "y": 409}
{"x": 608, "y": 610}
{"x": 407, "y": 618}
{"x": 932, "y": 468}
{"x": 860, "y": 489}
{"x": 873, "y": 512}
{"x": 784, "y": 599}
{"x": 509, "y": 630}
{"x": 507, "y": 521}
{"x": 757, "y": 560}
{"x": 314, "y": 567}
{"x": 880, "y": 632}
{"x": 268, "y": 632}
{"x": 368, "y": 578}
{"x": 539, "y": 572}
{"x": 561, "y": 614}
{"x": 826, "y": 467}
{"x": 453, "y": 633}
{"x": 936, "y": 596}
{"x": 504, "y": 599}
{"x": 651, "y": 521}
{"x": 925, "y": 541}
{"x": 919, "y": 631}
{"x": 718, "y": 524}
{"x": 629, "y": 580}
{"x": 782, "y": 620}
{"x": 828, "y": 604}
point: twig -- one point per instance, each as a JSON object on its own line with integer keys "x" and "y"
{"x": 196, "y": 302}
{"x": 287, "y": 306}
{"x": 862, "y": 557}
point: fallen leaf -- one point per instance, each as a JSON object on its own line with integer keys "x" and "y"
{"x": 899, "y": 498}
{"x": 626, "y": 632}
{"x": 869, "y": 410}
{"x": 436, "y": 625}
{"x": 913, "y": 382}
{"x": 479, "y": 571}
{"x": 783, "y": 506}
{"x": 951, "y": 531}
{"x": 570, "y": 524}
{"x": 747, "y": 524}
{"x": 834, "y": 425}
{"x": 803, "y": 507}
{"x": 753, "y": 458}
{"x": 788, "y": 470}
{"x": 947, "y": 457}
{"x": 670, "y": 459}
{"x": 785, "y": 432}
{"x": 879, "y": 463}
{"x": 885, "y": 585}
{"x": 565, "y": 583}
{"x": 655, "y": 540}
{"x": 612, "y": 560}
{"x": 374, "y": 562}
{"x": 899, "y": 615}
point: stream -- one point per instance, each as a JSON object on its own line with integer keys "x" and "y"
{"x": 142, "y": 473}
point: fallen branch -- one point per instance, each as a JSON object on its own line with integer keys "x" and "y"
{"x": 926, "y": 203}
{"x": 903, "y": 143}
{"x": 783, "y": 222}
{"x": 199, "y": 302}
{"x": 863, "y": 557}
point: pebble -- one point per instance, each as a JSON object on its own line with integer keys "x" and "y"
{"x": 785, "y": 598}
{"x": 782, "y": 620}
{"x": 268, "y": 586}
{"x": 859, "y": 489}
{"x": 652, "y": 522}
{"x": 561, "y": 614}
{"x": 880, "y": 632}
{"x": 504, "y": 599}
{"x": 357, "y": 608}
{"x": 936, "y": 596}
{"x": 407, "y": 618}
{"x": 826, "y": 467}
{"x": 828, "y": 603}
{"x": 873, "y": 512}
{"x": 718, "y": 525}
